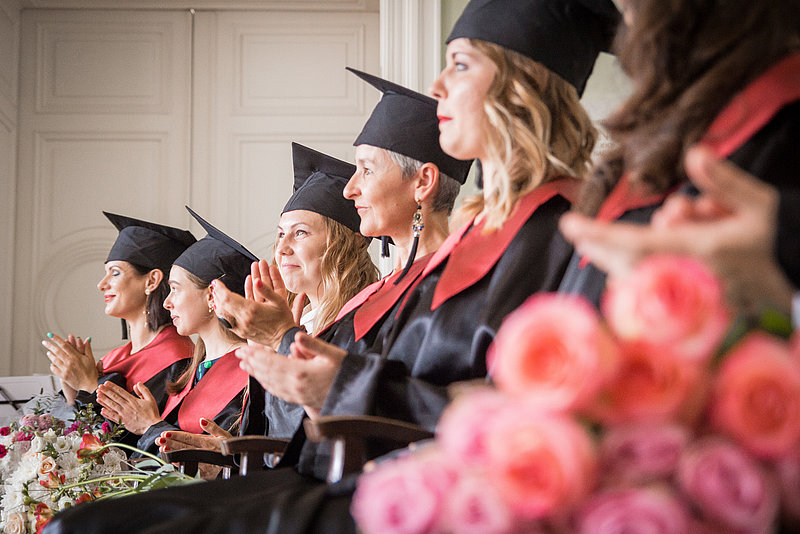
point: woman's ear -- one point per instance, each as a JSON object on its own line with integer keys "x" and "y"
{"x": 154, "y": 278}
{"x": 427, "y": 182}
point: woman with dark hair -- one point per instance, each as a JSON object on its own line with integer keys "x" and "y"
{"x": 722, "y": 75}
{"x": 212, "y": 386}
{"x": 134, "y": 288}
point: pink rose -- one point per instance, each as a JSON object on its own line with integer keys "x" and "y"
{"x": 633, "y": 511}
{"x": 29, "y": 420}
{"x": 5, "y": 431}
{"x": 757, "y": 398}
{"x": 541, "y": 464}
{"x": 45, "y": 422}
{"x": 105, "y": 428}
{"x": 474, "y": 507}
{"x": 465, "y": 423}
{"x": 727, "y": 486}
{"x": 21, "y": 436}
{"x": 651, "y": 385}
{"x": 553, "y": 350}
{"x": 669, "y": 301}
{"x": 645, "y": 453}
{"x": 3, "y": 451}
{"x": 403, "y": 496}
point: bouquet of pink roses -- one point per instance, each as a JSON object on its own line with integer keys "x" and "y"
{"x": 633, "y": 422}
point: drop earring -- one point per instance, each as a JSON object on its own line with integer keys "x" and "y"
{"x": 416, "y": 226}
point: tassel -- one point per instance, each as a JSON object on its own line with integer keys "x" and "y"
{"x": 417, "y": 225}
{"x": 384, "y": 246}
{"x": 478, "y": 174}
{"x": 124, "y": 329}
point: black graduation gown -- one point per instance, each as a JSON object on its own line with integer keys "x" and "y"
{"x": 759, "y": 132}
{"x": 167, "y": 346}
{"x": 424, "y": 351}
{"x": 361, "y": 326}
{"x": 227, "y": 416}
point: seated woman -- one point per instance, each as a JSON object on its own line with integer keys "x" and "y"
{"x": 508, "y": 96}
{"x": 319, "y": 254}
{"x": 134, "y": 287}
{"x": 213, "y": 385}
{"x": 408, "y": 173}
{"x": 702, "y": 76}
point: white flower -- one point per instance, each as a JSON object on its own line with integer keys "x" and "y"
{"x": 15, "y": 524}
{"x": 13, "y": 498}
{"x": 62, "y": 444}
{"x": 49, "y": 436}
{"x": 65, "y": 502}
{"x": 37, "y": 444}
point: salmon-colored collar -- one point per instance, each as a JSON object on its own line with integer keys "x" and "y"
{"x": 473, "y": 254}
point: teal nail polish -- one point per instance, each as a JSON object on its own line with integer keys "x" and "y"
{"x": 88, "y": 339}
{"x": 50, "y": 335}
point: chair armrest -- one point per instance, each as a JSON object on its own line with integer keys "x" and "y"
{"x": 349, "y": 435}
{"x": 188, "y": 460}
{"x": 244, "y": 446}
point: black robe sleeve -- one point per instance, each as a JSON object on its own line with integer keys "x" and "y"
{"x": 227, "y": 419}
{"x": 426, "y": 351}
{"x": 771, "y": 155}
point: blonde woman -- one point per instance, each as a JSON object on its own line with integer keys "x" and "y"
{"x": 319, "y": 257}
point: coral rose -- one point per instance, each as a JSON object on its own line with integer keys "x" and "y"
{"x": 669, "y": 301}
{"x": 651, "y": 385}
{"x": 541, "y": 464}
{"x": 757, "y": 397}
{"x": 554, "y": 350}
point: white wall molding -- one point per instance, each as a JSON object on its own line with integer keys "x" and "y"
{"x": 227, "y": 5}
{"x": 410, "y": 42}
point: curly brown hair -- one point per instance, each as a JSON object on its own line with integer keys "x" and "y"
{"x": 538, "y": 132}
{"x": 686, "y": 59}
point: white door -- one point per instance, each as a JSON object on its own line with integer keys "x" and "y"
{"x": 141, "y": 112}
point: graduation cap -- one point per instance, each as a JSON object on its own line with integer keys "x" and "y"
{"x": 405, "y": 122}
{"x": 147, "y": 244}
{"x": 217, "y": 255}
{"x": 563, "y": 35}
{"x": 319, "y": 182}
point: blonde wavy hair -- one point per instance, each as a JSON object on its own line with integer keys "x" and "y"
{"x": 346, "y": 269}
{"x": 538, "y": 131}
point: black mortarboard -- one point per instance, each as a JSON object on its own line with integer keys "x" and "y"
{"x": 319, "y": 181}
{"x": 405, "y": 122}
{"x": 563, "y": 35}
{"x": 215, "y": 255}
{"x": 146, "y": 244}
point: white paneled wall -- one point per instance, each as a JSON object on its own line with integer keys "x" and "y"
{"x": 9, "y": 54}
{"x": 274, "y": 78}
{"x": 140, "y": 112}
{"x": 104, "y": 125}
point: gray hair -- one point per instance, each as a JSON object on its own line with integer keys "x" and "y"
{"x": 448, "y": 189}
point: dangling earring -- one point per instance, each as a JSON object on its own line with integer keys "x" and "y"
{"x": 146, "y": 303}
{"x": 416, "y": 225}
